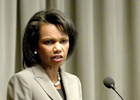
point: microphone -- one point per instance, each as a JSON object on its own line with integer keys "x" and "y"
{"x": 109, "y": 83}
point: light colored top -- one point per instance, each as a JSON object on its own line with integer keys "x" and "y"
{"x": 34, "y": 84}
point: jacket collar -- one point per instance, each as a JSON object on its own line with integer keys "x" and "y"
{"x": 66, "y": 84}
{"x": 43, "y": 80}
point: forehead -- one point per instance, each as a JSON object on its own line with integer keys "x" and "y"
{"x": 51, "y": 30}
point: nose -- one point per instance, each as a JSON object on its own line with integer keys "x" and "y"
{"x": 57, "y": 48}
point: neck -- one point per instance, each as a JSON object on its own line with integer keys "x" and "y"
{"x": 53, "y": 75}
{"x": 52, "y": 72}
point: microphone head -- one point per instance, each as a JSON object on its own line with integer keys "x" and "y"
{"x": 109, "y": 82}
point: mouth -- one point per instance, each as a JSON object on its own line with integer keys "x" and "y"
{"x": 57, "y": 58}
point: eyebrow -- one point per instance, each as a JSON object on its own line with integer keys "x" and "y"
{"x": 51, "y": 38}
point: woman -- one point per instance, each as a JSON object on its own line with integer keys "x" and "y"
{"x": 49, "y": 38}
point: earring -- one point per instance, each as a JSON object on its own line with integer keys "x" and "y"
{"x": 35, "y": 52}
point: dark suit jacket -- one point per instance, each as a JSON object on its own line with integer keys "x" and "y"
{"x": 34, "y": 84}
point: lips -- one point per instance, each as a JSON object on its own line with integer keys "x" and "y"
{"x": 57, "y": 58}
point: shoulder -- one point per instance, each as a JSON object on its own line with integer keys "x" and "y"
{"x": 21, "y": 76}
{"x": 19, "y": 85}
{"x": 25, "y": 72}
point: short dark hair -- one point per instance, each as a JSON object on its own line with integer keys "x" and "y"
{"x": 31, "y": 33}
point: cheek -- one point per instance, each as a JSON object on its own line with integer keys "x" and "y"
{"x": 43, "y": 52}
{"x": 67, "y": 48}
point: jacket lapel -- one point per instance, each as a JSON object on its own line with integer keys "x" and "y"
{"x": 67, "y": 87}
{"x": 45, "y": 83}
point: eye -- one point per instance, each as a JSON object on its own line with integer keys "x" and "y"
{"x": 48, "y": 42}
{"x": 64, "y": 41}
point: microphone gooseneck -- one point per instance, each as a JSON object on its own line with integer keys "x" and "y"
{"x": 109, "y": 83}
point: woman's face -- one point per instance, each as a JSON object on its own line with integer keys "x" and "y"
{"x": 53, "y": 46}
